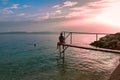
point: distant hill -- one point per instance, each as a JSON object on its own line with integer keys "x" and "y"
{"x": 13, "y": 32}
{"x": 29, "y": 32}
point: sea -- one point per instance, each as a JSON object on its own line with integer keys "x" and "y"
{"x": 35, "y": 57}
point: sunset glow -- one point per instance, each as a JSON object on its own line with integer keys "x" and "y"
{"x": 99, "y": 16}
{"x": 59, "y": 15}
{"x": 110, "y": 15}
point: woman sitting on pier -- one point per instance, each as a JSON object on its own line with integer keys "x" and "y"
{"x": 61, "y": 40}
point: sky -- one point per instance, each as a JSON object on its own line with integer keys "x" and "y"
{"x": 60, "y": 15}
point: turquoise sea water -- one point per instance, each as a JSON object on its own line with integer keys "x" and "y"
{"x": 21, "y": 60}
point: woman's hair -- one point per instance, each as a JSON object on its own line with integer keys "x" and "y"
{"x": 61, "y": 34}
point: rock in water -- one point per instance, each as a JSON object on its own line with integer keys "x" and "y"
{"x": 111, "y": 41}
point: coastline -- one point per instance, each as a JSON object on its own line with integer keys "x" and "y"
{"x": 111, "y": 41}
{"x": 115, "y": 74}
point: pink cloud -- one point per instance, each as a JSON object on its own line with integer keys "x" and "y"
{"x": 83, "y": 26}
{"x": 90, "y": 9}
{"x": 15, "y": 6}
{"x": 21, "y": 14}
{"x": 69, "y": 3}
{"x": 65, "y": 4}
{"x": 57, "y": 7}
{"x": 83, "y": 18}
{"x": 7, "y": 11}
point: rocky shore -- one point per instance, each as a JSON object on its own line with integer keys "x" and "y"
{"x": 111, "y": 41}
{"x": 115, "y": 74}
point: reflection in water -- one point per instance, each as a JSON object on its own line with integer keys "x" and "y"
{"x": 23, "y": 61}
{"x": 62, "y": 67}
{"x": 80, "y": 64}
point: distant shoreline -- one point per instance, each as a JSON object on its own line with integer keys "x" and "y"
{"x": 29, "y": 32}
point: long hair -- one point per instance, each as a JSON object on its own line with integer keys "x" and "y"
{"x": 61, "y": 34}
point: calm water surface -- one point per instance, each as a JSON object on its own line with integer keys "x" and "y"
{"x": 20, "y": 60}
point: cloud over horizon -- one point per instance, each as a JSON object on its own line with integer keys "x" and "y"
{"x": 66, "y": 14}
{"x": 90, "y": 12}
